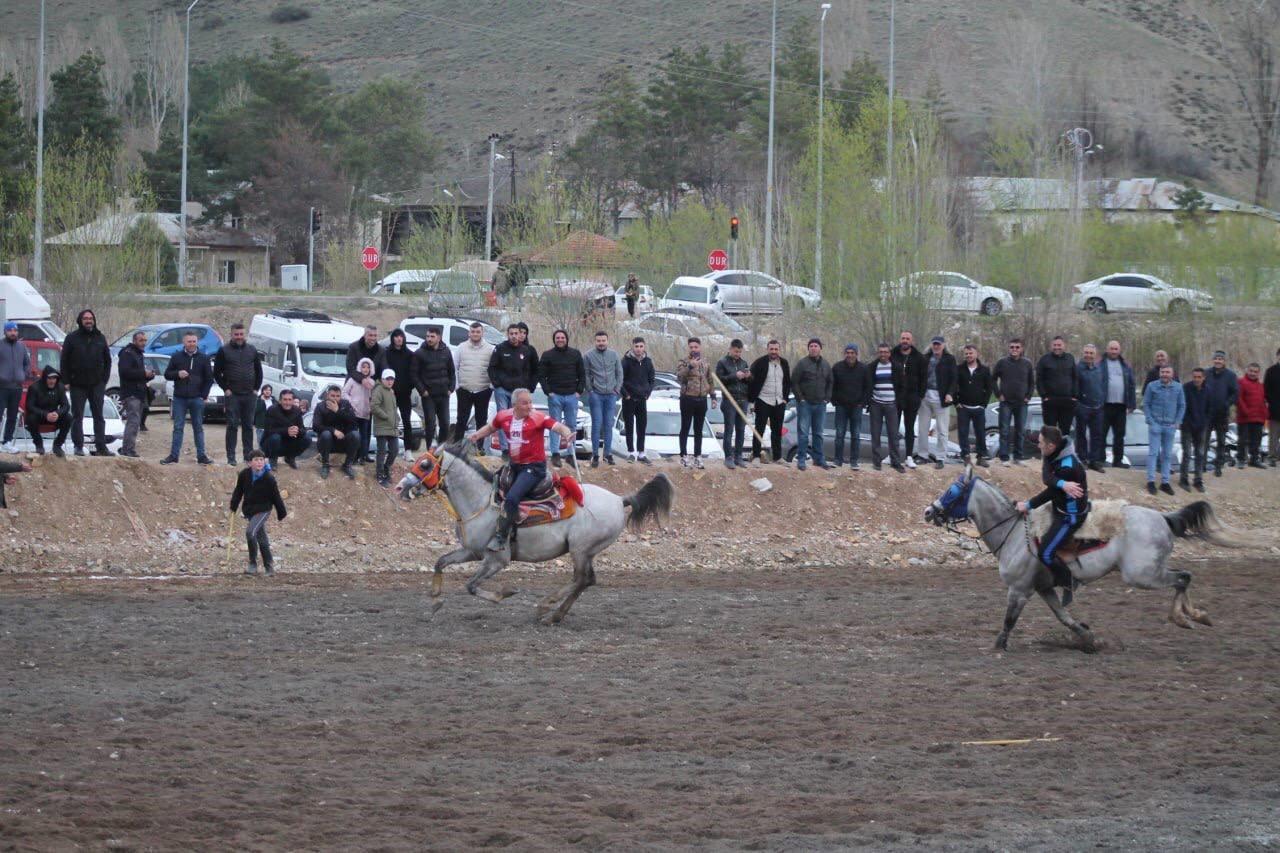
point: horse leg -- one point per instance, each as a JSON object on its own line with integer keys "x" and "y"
{"x": 549, "y": 603}
{"x": 1017, "y": 601}
{"x": 1078, "y": 628}
{"x": 1195, "y": 614}
{"x": 493, "y": 563}
{"x": 582, "y": 578}
{"x": 453, "y": 558}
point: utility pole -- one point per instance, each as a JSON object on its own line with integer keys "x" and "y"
{"x": 768, "y": 180}
{"x": 311, "y": 249}
{"x": 1080, "y": 141}
{"x": 38, "y": 258}
{"x": 512, "y": 152}
{"x": 186, "y": 108}
{"x": 488, "y": 209}
{"x": 817, "y": 237}
{"x": 888, "y": 153}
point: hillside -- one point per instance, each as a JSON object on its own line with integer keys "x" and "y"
{"x": 527, "y": 69}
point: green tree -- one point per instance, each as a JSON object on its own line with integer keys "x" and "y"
{"x": 608, "y": 161}
{"x": 17, "y": 150}
{"x": 78, "y": 106}
{"x": 796, "y": 98}
{"x": 860, "y": 85}
{"x": 1190, "y": 203}
{"x": 163, "y": 172}
{"x": 377, "y": 154}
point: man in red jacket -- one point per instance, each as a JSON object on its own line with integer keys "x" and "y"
{"x": 1251, "y": 414}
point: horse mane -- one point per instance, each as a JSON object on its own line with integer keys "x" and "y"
{"x": 463, "y": 450}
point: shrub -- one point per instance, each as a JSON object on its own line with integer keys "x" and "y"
{"x": 288, "y": 14}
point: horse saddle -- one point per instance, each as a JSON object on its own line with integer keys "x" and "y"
{"x": 554, "y": 498}
{"x": 1103, "y": 522}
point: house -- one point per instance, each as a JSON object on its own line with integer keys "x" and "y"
{"x": 217, "y": 256}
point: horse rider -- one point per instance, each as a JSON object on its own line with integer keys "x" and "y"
{"x": 1068, "y": 488}
{"x": 525, "y": 429}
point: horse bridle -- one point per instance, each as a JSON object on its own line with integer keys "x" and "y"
{"x": 995, "y": 552}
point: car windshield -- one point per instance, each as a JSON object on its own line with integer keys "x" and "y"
{"x": 1135, "y": 431}
{"x": 666, "y": 423}
{"x": 690, "y": 293}
{"x": 322, "y": 361}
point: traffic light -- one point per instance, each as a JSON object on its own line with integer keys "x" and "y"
{"x": 316, "y": 216}
{"x": 733, "y": 228}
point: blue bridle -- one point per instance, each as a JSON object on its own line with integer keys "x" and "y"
{"x": 955, "y": 500}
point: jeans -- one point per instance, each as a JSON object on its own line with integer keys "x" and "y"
{"x": 1011, "y": 438}
{"x": 501, "y": 400}
{"x": 932, "y": 408}
{"x": 1114, "y": 419}
{"x": 62, "y": 426}
{"x": 848, "y": 418}
{"x": 604, "y": 408}
{"x": 469, "y": 402}
{"x": 404, "y": 405}
{"x": 524, "y": 478}
{"x": 1273, "y": 433}
{"x": 693, "y": 413}
{"x": 564, "y": 408}
{"x": 435, "y": 418}
{"x": 9, "y": 400}
{"x": 772, "y": 416}
{"x": 366, "y": 437}
{"x": 1160, "y": 450}
{"x": 1090, "y": 446}
{"x": 1248, "y": 443}
{"x": 735, "y": 431}
{"x": 1059, "y": 412}
{"x": 635, "y": 420}
{"x": 255, "y": 534}
{"x": 327, "y": 443}
{"x": 181, "y": 407}
{"x": 93, "y": 396}
{"x": 809, "y": 434}
{"x": 388, "y": 449}
{"x": 908, "y": 409}
{"x": 977, "y": 419}
{"x": 1195, "y": 442}
{"x": 884, "y": 416}
{"x": 278, "y": 444}
{"x": 133, "y": 408}
{"x": 240, "y": 409}
{"x": 1218, "y": 431}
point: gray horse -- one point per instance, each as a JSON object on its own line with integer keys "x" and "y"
{"x": 467, "y": 487}
{"x": 1140, "y": 552}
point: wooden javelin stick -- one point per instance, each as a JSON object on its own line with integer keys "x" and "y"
{"x": 737, "y": 408}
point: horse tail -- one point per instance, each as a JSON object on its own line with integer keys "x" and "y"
{"x": 653, "y": 500}
{"x": 1196, "y": 520}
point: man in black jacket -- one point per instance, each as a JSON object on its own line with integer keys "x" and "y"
{"x": 400, "y": 359}
{"x": 1059, "y": 385}
{"x": 86, "y": 364}
{"x": 939, "y": 396}
{"x": 973, "y": 392}
{"x": 915, "y": 381}
{"x": 768, "y": 390}
{"x": 237, "y": 368}
{"x": 1271, "y": 390}
{"x": 850, "y": 392}
{"x": 638, "y": 377}
{"x": 733, "y": 372}
{"x": 284, "y": 435}
{"x": 886, "y": 376}
{"x": 336, "y": 426}
{"x": 564, "y": 380}
{"x": 1066, "y": 486}
{"x": 514, "y": 364}
{"x": 433, "y": 376}
{"x": 134, "y": 377}
{"x": 1014, "y": 382}
{"x": 1223, "y": 389}
{"x": 192, "y": 377}
{"x": 366, "y": 346}
{"x": 49, "y": 409}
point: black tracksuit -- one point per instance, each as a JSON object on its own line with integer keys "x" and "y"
{"x": 259, "y": 496}
{"x": 238, "y": 371}
{"x": 1059, "y": 386}
{"x": 638, "y": 377}
{"x": 433, "y": 375}
{"x": 973, "y": 393}
{"x": 86, "y": 365}
{"x": 275, "y": 433}
{"x": 43, "y": 401}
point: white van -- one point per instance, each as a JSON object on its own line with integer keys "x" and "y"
{"x": 23, "y": 304}
{"x": 302, "y": 350}
{"x": 405, "y": 281}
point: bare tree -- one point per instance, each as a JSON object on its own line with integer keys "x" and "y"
{"x": 162, "y": 71}
{"x": 117, "y": 67}
{"x": 1246, "y": 34}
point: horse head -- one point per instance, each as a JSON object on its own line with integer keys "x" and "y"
{"x": 423, "y": 475}
{"x": 953, "y": 504}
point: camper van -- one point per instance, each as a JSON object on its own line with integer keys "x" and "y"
{"x": 23, "y": 304}
{"x": 302, "y": 350}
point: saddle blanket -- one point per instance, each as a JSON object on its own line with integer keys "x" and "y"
{"x": 1104, "y": 522}
{"x": 560, "y": 504}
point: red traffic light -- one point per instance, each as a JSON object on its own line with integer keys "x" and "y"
{"x": 733, "y": 228}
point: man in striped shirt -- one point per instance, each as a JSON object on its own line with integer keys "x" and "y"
{"x": 886, "y": 384}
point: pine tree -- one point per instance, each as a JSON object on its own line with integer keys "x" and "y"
{"x": 17, "y": 142}
{"x": 78, "y": 106}
{"x": 861, "y": 84}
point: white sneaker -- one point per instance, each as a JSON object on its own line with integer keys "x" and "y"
{"x": 910, "y": 462}
{"x": 9, "y": 447}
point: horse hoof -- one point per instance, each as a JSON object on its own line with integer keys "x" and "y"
{"x": 1088, "y": 644}
{"x": 1002, "y": 644}
{"x": 1178, "y": 619}
{"x": 1200, "y": 616}
{"x": 493, "y": 597}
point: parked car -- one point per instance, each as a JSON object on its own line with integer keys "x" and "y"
{"x": 166, "y": 338}
{"x": 681, "y": 326}
{"x": 159, "y": 387}
{"x": 452, "y": 291}
{"x": 644, "y": 304}
{"x": 110, "y": 414}
{"x": 941, "y": 290}
{"x": 404, "y": 282}
{"x": 24, "y": 305}
{"x": 44, "y": 353}
{"x": 454, "y": 330}
{"x": 1136, "y": 436}
{"x": 662, "y": 433}
{"x": 751, "y": 292}
{"x": 790, "y": 437}
{"x": 690, "y": 292}
{"x": 1137, "y": 292}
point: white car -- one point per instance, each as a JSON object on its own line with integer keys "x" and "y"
{"x": 405, "y": 281}
{"x": 111, "y": 415}
{"x": 1138, "y": 292}
{"x": 751, "y": 292}
{"x": 644, "y": 304}
{"x": 454, "y": 330}
{"x": 662, "y": 432}
{"x": 680, "y": 326}
{"x": 941, "y": 290}
{"x": 159, "y": 386}
{"x": 691, "y": 292}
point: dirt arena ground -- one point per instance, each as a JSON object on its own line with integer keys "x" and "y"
{"x": 814, "y": 707}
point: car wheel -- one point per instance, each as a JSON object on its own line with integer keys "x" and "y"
{"x": 1179, "y": 307}
{"x": 1095, "y": 306}
{"x": 992, "y": 307}
{"x": 791, "y": 454}
{"x": 113, "y": 394}
{"x": 794, "y": 303}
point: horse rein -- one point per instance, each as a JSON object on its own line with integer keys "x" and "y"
{"x": 995, "y": 552}
{"x": 441, "y": 492}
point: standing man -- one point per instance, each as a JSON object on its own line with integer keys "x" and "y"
{"x": 1153, "y": 375}
{"x": 564, "y": 380}
{"x": 733, "y": 372}
{"x": 850, "y": 391}
{"x": 86, "y": 364}
{"x": 432, "y": 373}
{"x": 1091, "y": 382}
{"x": 1271, "y": 389}
{"x": 471, "y": 366}
{"x": 237, "y": 368}
{"x": 134, "y": 377}
{"x": 1056, "y": 379}
{"x": 973, "y": 392}
{"x": 811, "y": 381}
{"x": 1251, "y": 416}
{"x": 1014, "y": 380}
{"x": 192, "y": 377}
{"x": 366, "y": 346}
{"x": 940, "y": 390}
{"x": 769, "y": 390}
{"x": 1223, "y": 389}
{"x": 1195, "y": 429}
{"x": 1120, "y": 398}
{"x": 638, "y": 378}
{"x": 915, "y": 382}
{"x": 632, "y": 294}
{"x": 48, "y": 408}
{"x": 694, "y": 375}
{"x": 283, "y": 433}
{"x": 886, "y": 389}
{"x": 513, "y": 365}
{"x": 15, "y": 366}
{"x": 400, "y": 361}
{"x": 604, "y": 386}
{"x": 1164, "y": 404}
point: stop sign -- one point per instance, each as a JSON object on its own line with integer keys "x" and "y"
{"x": 370, "y": 258}
{"x": 718, "y": 260}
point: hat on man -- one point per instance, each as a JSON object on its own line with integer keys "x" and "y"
{"x": 11, "y": 326}
{"x": 850, "y": 347}
{"x": 939, "y": 339}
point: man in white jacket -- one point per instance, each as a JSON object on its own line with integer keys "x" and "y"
{"x": 471, "y": 366}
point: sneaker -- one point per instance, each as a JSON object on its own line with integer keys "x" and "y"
{"x": 1018, "y": 462}
{"x": 684, "y": 461}
{"x": 132, "y": 454}
{"x": 984, "y": 462}
{"x": 231, "y": 460}
{"x": 938, "y": 463}
{"x": 292, "y": 462}
{"x": 346, "y": 469}
{"x": 1256, "y": 464}
{"x": 8, "y": 447}
{"x": 269, "y": 569}
{"x": 557, "y": 461}
{"x": 800, "y": 465}
{"x": 1151, "y": 487}
{"x": 855, "y": 465}
{"x": 204, "y": 460}
{"x": 899, "y": 468}
{"x": 324, "y": 472}
{"x": 1166, "y": 488}
{"x": 1184, "y": 484}
{"x": 644, "y": 460}
{"x": 1217, "y": 471}
{"x": 59, "y": 452}
{"x": 1098, "y": 466}
{"x": 251, "y": 569}
{"x": 1199, "y": 486}
{"x": 608, "y": 458}
{"x": 1005, "y": 462}
{"x": 385, "y": 482}
{"x": 595, "y": 461}
{"x": 875, "y": 464}
{"x": 697, "y": 462}
{"x": 728, "y": 462}
{"x": 100, "y": 451}
{"x": 1121, "y": 465}
{"x": 80, "y": 451}
{"x": 168, "y": 460}
{"x": 825, "y": 466}
{"x": 911, "y": 462}
{"x": 756, "y": 462}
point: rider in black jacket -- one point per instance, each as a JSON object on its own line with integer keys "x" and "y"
{"x": 1066, "y": 486}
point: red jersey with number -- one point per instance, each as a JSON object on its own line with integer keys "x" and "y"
{"x": 526, "y": 436}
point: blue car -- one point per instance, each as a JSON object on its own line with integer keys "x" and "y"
{"x": 166, "y": 338}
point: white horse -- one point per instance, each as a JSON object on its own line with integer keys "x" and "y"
{"x": 467, "y": 487}
{"x": 1141, "y": 552}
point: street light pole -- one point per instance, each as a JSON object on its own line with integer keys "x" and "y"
{"x": 817, "y": 252}
{"x": 38, "y": 258}
{"x": 186, "y": 106}
{"x": 888, "y": 154}
{"x": 488, "y": 209}
{"x": 1081, "y": 142}
{"x": 768, "y": 179}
